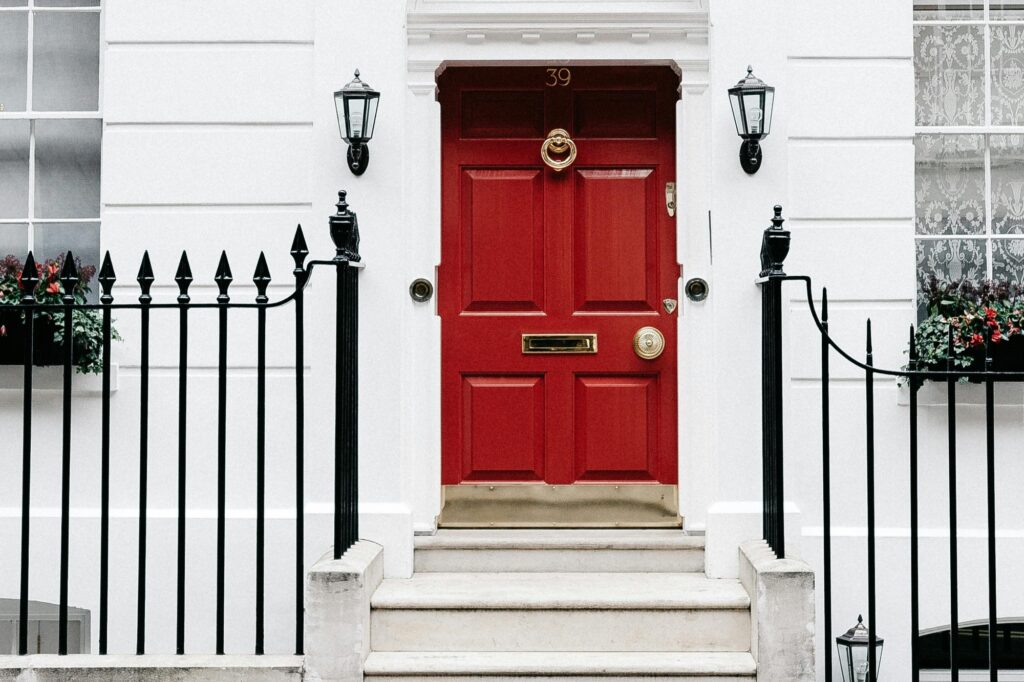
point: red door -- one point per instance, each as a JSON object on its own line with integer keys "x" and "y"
{"x": 577, "y": 259}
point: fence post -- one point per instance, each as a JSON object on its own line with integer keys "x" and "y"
{"x": 345, "y": 234}
{"x": 774, "y": 248}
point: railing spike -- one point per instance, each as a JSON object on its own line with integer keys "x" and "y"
{"x": 824, "y": 305}
{"x": 69, "y": 277}
{"x": 261, "y": 278}
{"x": 184, "y": 278}
{"x": 869, "y": 337}
{"x": 299, "y": 249}
{"x": 913, "y": 345}
{"x": 145, "y": 278}
{"x": 223, "y": 277}
{"x": 106, "y": 279}
{"x": 949, "y": 349}
{"x": 29, "y": 279}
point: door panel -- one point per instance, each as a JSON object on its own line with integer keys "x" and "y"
{"x": 615, "y": 239}
{"x": 528, "y": 250}
{"x": 504, "y": 422}
{"x": 504, "y": 240}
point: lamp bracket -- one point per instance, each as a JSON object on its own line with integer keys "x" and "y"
{"x": 358, "y": 158}
{"x": 750, "y": 156}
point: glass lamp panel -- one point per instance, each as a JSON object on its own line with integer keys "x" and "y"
{"x": 14, "y": 169}
{"x": 753, "y": 110}
{"x": 1007, "y": 74}
{"x": 769, "y": 103}
{"x": 14, "y": 240}
{"x": 68, "y": 168}
{"x": 371, "y": 116}
{"x": 13, "y": 60}
{"x": 949, "y": 75}
{"x": 737, "y": 114}
{"x": 340, "y": 109}
{"x": 66, "y": 61}
{"x": 963, "y": 9}
{"x": 949, "y": 184}
{"x": 356, "y": 110}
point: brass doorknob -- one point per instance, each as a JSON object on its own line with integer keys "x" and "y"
{"x": 558, "y": 142}
{"x": 648, "y": 343}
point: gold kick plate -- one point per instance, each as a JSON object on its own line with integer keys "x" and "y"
{"x": 538, "y": 344}
{"x": 540, "y": 505}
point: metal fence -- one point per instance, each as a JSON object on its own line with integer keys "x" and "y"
{"x": 775, "y": 247}
{"x": 28, "y": 315}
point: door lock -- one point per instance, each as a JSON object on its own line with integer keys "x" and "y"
{"x": 670, "y": 198}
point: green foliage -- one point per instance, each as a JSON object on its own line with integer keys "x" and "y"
{"x": 975, "y": 311}
{"x": 87, "y": 325}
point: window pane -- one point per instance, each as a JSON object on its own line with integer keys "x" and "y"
{"x": 949, "y": 184}
{"x": 1006, "y": 10}
{"x": 13, "y": 3}
{"x": 949, "y": 72}
{"x": 950, "y": 260}
{"x": 1008, "y": 260}
{"x": 1007, "y": 52}
{"x": 82, "y": 239}
{"x": 67, "y": 3}
{"x": 68, "y": 168}
{"x": 14, "y": 169}
{"x": 14, "y": 240}
{"x": 1007, "y": 184}
{"x": 13, "y": 60}
{"x": 967, "y": 9}
{"x": 66, "y": 61}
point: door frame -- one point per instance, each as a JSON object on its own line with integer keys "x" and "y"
{"x": 677, "y": 39}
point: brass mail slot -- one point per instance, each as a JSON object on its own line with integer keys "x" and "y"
{"x": 534, "y": 344}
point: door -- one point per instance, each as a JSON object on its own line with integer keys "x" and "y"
{"x": 550, "y": 416}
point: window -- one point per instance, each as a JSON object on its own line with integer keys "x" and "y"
{"x": 973, "y": 648}
{"x": 50, "y": 128}
{"x": 42, "y": 627}
{"x": 969, "y": 143}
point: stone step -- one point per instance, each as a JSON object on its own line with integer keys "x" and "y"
{"x": 494, "y": 666}
{"x": 550, "y": 550}
{"x": 560, "y": 612}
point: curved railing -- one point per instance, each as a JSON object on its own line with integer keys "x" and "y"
{"x": 775, "y": 247}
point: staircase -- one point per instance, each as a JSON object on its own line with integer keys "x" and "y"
{"x": 566, "y": 604}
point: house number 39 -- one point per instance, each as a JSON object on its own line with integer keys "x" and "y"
{"x": 558, "y": 77}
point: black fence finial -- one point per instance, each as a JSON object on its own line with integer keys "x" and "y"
{"x": 345, "y": 231}
{"x": 774, "y": 246}
{"x": 184, "y": 278}
{"x": 107, "y": 279}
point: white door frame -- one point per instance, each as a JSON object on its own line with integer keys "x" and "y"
{"x": 441, "y": 31}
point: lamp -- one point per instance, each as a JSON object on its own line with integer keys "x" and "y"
{"x": 356, "y": 106}
{"x": 752, "y": 100}
{"x": 853, "y": 647}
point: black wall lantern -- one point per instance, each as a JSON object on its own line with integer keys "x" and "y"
{"x": 853, "y": 647}
{"x": 752, "y": 100}
{"x": 356, "y": 104}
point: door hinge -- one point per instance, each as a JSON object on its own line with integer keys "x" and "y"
{"x": 670, "y": 198}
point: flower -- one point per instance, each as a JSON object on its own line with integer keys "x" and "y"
{"x": 3, "y": 330}
{"x": 53, "y": 288}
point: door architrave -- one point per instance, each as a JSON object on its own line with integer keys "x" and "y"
{"x": 569, "y": 33}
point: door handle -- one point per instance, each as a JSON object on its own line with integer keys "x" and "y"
{"x": 648, "y": 343}
{"x": 558, "y": 142}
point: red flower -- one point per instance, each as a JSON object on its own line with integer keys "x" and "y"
{"x": 977, "y": 340}
{"x": 3, "y": 330}
{"x": 54, "y": 288}
{"x": 997, "y": 336}
{"x": 990, "y": 313}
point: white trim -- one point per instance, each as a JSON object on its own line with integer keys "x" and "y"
{"x": 520, "y": 32}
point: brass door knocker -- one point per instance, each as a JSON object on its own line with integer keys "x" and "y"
{"x": 558, "y": 142}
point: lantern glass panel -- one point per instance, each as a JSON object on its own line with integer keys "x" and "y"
{"x": 339, "y": 106}
{"x": 769, "y": 102}
{"x": 371, "y": 116}
{"x": 853, "y": 662}
{"x": 356, "y": 121}
{"x": 753, "y": 109}
{"x": 737, "y": 114}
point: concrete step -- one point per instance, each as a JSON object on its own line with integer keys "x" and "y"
{"x": 494, "y": 666}
{"x": 620, "y": 551}
{"x": 560, "y": 612}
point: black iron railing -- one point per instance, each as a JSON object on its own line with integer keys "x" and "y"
{"x": 775, "y": 247}
{"x": 345, "y": 234}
